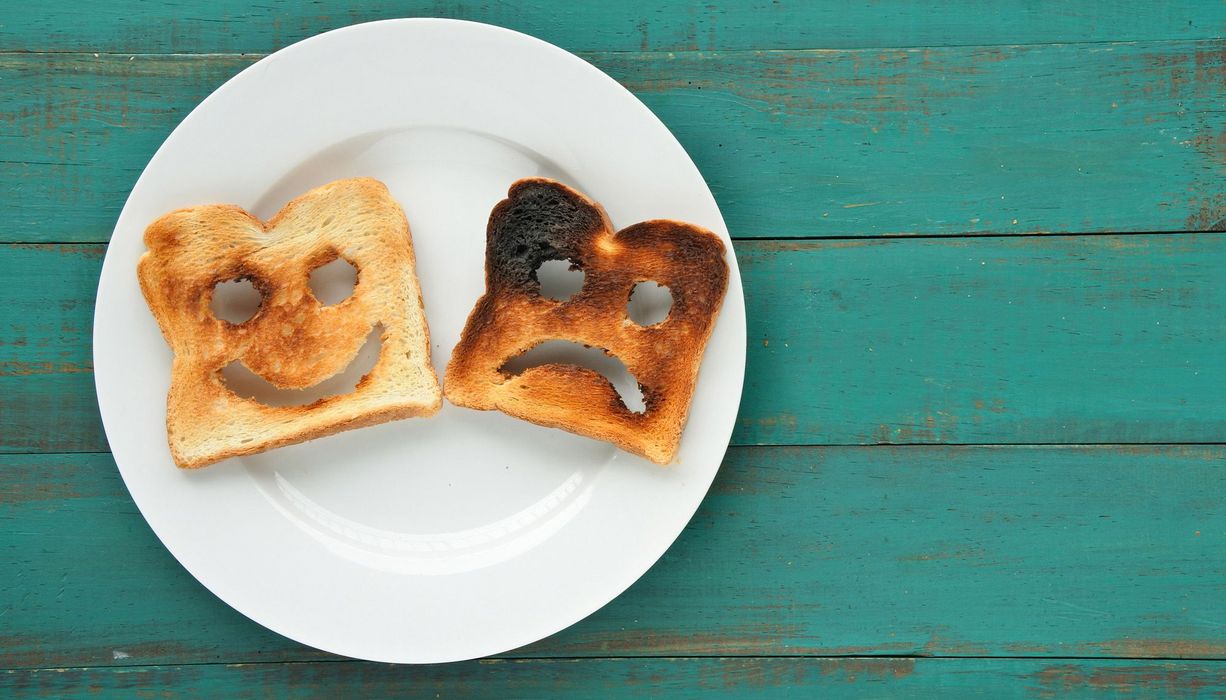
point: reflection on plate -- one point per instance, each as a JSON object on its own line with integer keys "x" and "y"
{"x": 436, "y": 553}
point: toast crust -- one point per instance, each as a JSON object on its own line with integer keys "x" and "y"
{"x": 545, "y": 220}
{"x": 293, "y": 341}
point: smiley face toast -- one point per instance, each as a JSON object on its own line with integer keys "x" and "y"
{"x": 293, "y": 341}
{"x": 544, "y": 220}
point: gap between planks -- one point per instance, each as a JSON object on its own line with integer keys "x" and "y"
{"x": 822, "y": 446}
{"x": 652, "y": 52}
{"x": 850, "y": 239}
{"x": 563, "y": 659}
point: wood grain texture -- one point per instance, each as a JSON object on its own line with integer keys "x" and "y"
{"x": 936, "y": 551}
{"x": 1094, "y": 339}
{"x": 237, "y": 26}
{"x": 46, "y": 362}
{"x": 808, "y": 571}
{"x": 642, "y": 678}
{"x": 1009, "y": 140}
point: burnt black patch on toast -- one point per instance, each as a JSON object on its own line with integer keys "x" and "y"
{"x": 538, "y": 221}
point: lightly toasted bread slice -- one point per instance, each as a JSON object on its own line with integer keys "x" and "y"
{"x": 293, "y": 341}
{"x": 544, "y": 220}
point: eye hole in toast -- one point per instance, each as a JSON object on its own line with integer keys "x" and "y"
{"x": 235, "y": 301}
{"x": 333, "y": 282}
{"x": 564, "y": 352}
{"x": 249, "y": 385}
{"x": 650, "y": 303}
{"x": 559, "y": 279}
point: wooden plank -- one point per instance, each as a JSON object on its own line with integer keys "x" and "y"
{"x": 1055, "y": 138}
{"x": 1091, "y": 339}
{"x": 46, "y": 365}
{"x": 232, "y": 26}
{"x": 1096, "y": 339}
{"x": 680, "y": 678}
{"x": 938, "y": 551}
{"x": 76, "y": 131}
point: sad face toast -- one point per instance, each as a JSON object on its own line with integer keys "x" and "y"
{"x": 542, "y": 220}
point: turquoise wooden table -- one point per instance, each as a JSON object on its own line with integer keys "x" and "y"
{"x": 982, "y": 447}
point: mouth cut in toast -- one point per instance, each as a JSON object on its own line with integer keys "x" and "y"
{"x": 543, "y": 220}
{"x": 293, "y": 341}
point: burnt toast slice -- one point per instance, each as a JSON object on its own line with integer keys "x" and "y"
{"x": 543, "y": 220}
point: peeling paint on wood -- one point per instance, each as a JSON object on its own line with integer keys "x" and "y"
{"x": 672, "y": 677}
{"x": 930, "y": 551}
{"x": 236, "y": 26}
{"x": 845, "y": 568}
{"x": 25, "y": 369}
{"x": 1143, "y": 679}
{"x": 47, "y": 397}
{"x": 797, "y": 143}
{"x": 995, "y": 340}
{"x": 1094, "y": 339}
{"x": 1140, "y": 646}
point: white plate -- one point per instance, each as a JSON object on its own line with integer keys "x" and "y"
{"x": 431, "y": 540}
